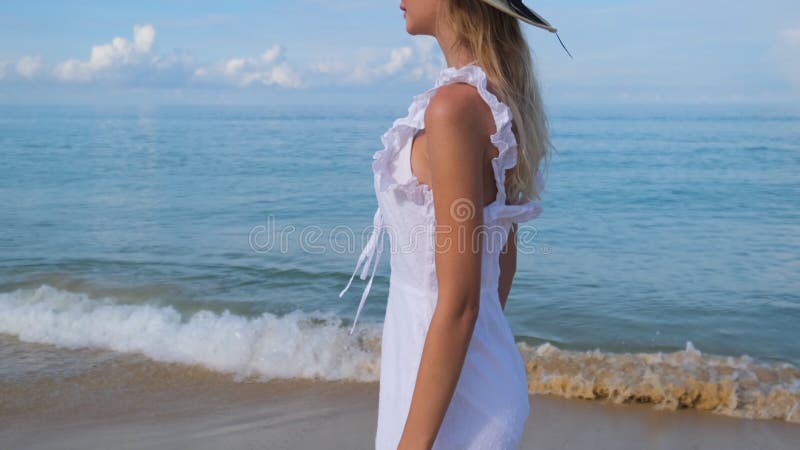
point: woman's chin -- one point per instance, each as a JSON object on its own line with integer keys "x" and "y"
{"x": 410, "y": 29}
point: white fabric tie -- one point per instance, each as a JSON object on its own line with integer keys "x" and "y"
{"x": 366, "y": 257}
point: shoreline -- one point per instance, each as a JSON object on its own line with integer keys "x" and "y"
{"x": 175, "y": 407}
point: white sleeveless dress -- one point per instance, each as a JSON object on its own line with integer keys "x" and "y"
{"x": 490, "y": 403}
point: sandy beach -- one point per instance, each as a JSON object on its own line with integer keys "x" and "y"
{"x": 171, "y": 406}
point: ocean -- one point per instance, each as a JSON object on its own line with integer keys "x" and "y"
{"x": 665, "y": 267}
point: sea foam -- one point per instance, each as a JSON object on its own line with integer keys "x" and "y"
{"x": 296, "y": 345}
{"x": 317, "y": 345}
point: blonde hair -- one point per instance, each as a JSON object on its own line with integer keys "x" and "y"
{"x": 500, "y": 48}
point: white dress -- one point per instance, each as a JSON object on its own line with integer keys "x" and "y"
{"x": 490, "y": 403}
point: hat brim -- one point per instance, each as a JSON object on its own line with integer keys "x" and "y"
{"x": 517, "y": 9}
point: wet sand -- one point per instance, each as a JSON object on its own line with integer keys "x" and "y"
{"x": 166, "y": 406}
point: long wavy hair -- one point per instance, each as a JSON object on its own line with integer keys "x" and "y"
{"x": 500, "y": 47}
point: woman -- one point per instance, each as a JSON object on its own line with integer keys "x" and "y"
{"x": 453, "y": 179}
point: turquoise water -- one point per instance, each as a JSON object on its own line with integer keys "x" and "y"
{"x": 662, "y": 226}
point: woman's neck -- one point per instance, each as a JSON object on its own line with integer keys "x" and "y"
{"x": 454, "y": 55}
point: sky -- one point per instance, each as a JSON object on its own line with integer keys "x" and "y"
{"x": 318, "y": 51}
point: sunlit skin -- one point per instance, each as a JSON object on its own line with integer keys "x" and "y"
{"x": 452, "y": 155}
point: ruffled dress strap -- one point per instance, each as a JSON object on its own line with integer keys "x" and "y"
{"x": 372, "y": 249}
{"x": 506, "y": 143}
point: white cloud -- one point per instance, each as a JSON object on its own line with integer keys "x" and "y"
{"x": 167, "y": 62}
{"x": 786, "y": 55}
{"x": 791, "y": 36}
{"x": 144, "y": 36}
{"x": 29, "y": 66}
{"x": 269, "y": 68}
{"x": 398, "y": 59}
{"x": 134, "y": 62}
{"x": 412, "y": 63}
{"x": 108, "y": 57}
{"x": 429, "y": 60}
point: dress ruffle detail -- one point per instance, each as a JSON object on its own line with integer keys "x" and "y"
{"x": 503, "y": 139}
{"x": 393, "y": 140}
{"x": 403, "y": 130}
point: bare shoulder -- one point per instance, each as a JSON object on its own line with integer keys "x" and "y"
{"x": 458, "y": 123}
{"x": 458, "y": 104}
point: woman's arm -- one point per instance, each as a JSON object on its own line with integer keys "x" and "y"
{"x": 508, "y": 265}
{"x": 455, "y": 144}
